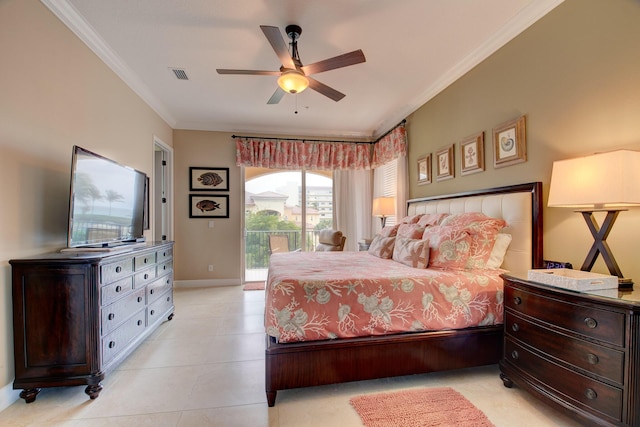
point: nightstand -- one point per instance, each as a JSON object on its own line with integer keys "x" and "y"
{"x": 578, "y": 351}
{"x": 363, "y": 245}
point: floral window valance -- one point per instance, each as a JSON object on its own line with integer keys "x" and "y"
{"x": 319, "y": 155}
{"x": 390, "y": 146}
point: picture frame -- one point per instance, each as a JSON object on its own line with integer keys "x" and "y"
{"x": 444, "y": 163}
{"x": 472, "y": 154}
{"x": 509, "y": 143}
{"x": 424, "y": 170}
{"x": 208, "y": 206}
{"x": 208, "y": 179}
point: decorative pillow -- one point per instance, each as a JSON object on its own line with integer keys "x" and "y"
{"x": 382, "y": 247}
{"x": 412, "y": 231}
{"x": 449, "y": 247}
{"x": 389, "y": 230}
{"x": 483, "y": 230}
{"x": 499, "y": 250}
{"x": 432, "y": 219}
{"x": 411, "y": 252}
{"x": 410, "y": 219}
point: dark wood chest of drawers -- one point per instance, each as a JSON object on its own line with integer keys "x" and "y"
{"x": 77, "y": 316}
{"x": 576, "y": 350}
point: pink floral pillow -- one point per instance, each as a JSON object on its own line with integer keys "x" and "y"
{"x": 450, "y": 247}
{"x": 432, "y": 219}
{"x": 412, "y": 231}
{"x": 382, "y": 247}
{"x": 389, "y": 230}
{"x": 410, "y": 219}
{"x": 483, "y": 230}
{"x": 411, "y": 252}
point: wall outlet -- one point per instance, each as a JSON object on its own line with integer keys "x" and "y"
{"x": 210, "y": 267}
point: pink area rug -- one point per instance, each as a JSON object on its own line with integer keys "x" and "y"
{"x": 419, "y": 407}
{"x": 253, "y": 286}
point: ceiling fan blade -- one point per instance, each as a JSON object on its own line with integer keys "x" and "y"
{"x": 351, "y": 58}
{"x": 274, "y": 36}
{"x": 325, "y": 90}
{"x": 249, "y": 72}
{"x": 277, "y": 96}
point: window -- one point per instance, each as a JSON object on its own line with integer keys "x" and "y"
{"x": 385, "y": 183}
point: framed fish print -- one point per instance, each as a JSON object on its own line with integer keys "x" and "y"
{"x": 208, "y": 179}
{"x": 509, "y": 143}
{"x": 208, "y": 206}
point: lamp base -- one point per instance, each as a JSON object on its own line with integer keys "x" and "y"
{"x": 625, "y": 284}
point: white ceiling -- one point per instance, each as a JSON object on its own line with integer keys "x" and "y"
{"x": 414, "y": 49}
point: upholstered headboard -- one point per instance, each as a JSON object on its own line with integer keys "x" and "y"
{"x": 519, "y": 205}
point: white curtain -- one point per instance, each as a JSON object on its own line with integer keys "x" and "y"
{"x": 352, "y": 205}
{"x": 402, "y": 186}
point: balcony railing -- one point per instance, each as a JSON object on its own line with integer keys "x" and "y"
{"x": 257, "y": 245}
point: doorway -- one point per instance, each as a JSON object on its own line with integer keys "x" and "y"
{"x": 162, "y": 228}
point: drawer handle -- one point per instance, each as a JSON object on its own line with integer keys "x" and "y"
{"x": 111, "y": 316}
{"x": 168, "y": 281}
{"x": 145, "y": 261}
{"x": 164, "y": 267}
{"x": 139, "y": 299}
{"x": 517, "y": 300}
{"x": 118, "y": 269}
{"x": 591, "y": 394}
{"x": 139, "y": 322}
{"x": 592, "y": 359}
{"x": 151, "y": 291}
{"x": 515, "y": 327}
{"x": 118, "y": 288}
{"x": 591, "y": 323}
{"x": 152, "y": 312}
{"x": 112, "y": 344}
{"x": 515, "y": 355}
{"x": 168, "y": 299}
{"x": 146, "y": 276}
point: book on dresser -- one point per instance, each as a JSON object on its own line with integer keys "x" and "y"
{"x": 76, "y": 316}
{"x": 577, "y": 350}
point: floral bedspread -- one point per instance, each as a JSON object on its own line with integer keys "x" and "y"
{"x": 327, "y": 295}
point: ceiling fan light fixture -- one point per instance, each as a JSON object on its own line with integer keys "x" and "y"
{"x": 293, "y": 81}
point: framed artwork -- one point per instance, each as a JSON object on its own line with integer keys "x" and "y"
{"x": 509, "y": 143}
{"x": 424, "y": 170}
{"x": 472, "y": 154}
{"x": 444, "y": 163}
{"x": 208, "y": 179}
{"x": 208, "y": 206}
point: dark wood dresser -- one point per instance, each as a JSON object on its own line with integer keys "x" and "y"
{"x": 76, "y": 316}
{"x": 578, "y": 351}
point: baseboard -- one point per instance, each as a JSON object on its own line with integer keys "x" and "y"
{"x": 8, "y": 396}
{"x": 205, "y": 283}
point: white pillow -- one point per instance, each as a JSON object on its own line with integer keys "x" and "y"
{"x": 499, "y": 250}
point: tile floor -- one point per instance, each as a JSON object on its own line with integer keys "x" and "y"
{"x": 206, "y": 368}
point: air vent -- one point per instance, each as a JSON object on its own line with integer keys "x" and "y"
{"x": 180, "y": 73}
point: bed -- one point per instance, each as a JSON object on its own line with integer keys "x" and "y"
{"x": 327, "y": 351}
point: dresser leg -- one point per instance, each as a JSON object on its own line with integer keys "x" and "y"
{"x": 506, "y": 381}
{"x": 271, "y": 398}
{"x": 29, "y": 394}
{"x": 93, "y": 390}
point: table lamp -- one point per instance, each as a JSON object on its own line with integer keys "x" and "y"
{"x": 604, "y": 182}
{"x": 384, "y": 207}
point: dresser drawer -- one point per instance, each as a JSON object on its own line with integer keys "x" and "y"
{"x": 157, "y": 288}
{"x": 115, "y": 271}
{"x": 604, "y": 325}
{"x": 115, "y": 290}
{"x": 116, "y": 313}
{"x": 160, "y": 307}
{"x": 116, "y": 341}
{"x": 597, "y": 359}
{"x": 590, "y": 395}
{"x": 143, "y": 261}
{"x": 164, "y": 268}
{"x": 144, "y": 277}
{"x": 164, "y": 254}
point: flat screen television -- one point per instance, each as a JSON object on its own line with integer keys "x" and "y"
{"x": 106, "y": 204}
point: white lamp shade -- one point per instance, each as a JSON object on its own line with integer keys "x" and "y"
{"x": 601, "y": 181}
{"x": 293, "y": 81}
{"x": 384, "y": 206}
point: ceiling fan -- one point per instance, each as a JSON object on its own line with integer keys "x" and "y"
{"x": 293, "y": 76}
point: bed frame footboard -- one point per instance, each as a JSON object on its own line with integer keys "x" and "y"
{"x": 305, "y": 364}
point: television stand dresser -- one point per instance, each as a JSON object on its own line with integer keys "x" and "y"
{"x": 76, "y": 316}
{"x": 579, "y": 351}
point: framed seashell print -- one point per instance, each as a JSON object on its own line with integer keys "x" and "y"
{"x": 208, "y": 179}
{"x": 510, "y": 143}
{"x": 208, "y": 206}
